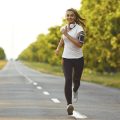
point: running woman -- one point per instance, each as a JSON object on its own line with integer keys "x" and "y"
{"x": 72, "y": 57}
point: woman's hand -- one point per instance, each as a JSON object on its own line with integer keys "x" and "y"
{"x": 70, "y": 38}
{"x": 59, "y": 46}
{"x": 57, "y": 51}
{"x": 64, "y": 31}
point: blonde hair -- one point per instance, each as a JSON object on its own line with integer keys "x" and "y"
{"x": 79, "y": 20}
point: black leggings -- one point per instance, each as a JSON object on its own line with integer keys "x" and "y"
{"x": 72, "y": 69}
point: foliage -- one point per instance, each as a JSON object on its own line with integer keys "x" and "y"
{"x": 2, "y": 64}
{"x": 102, "y": 42}
{"x": 2, "y": 54}
{"x": 102, "y": 46}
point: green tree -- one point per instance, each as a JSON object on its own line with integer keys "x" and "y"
{"x": 102, "y": 42}
{"x": 2, "y": 54}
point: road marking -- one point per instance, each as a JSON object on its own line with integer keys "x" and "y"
{"x": 27, "y": 78}
{"x": 39, "y": 87}
{"x": 46, "y": 93}
{"x": 34, "y": 83}
{"x": 78, "y": 115}
{"x": 55, "y": 100}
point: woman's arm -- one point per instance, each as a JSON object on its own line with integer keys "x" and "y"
{"x": 78, "y": 42}
{"x": 74, "y": 41}
{"x": 59, "y": 46}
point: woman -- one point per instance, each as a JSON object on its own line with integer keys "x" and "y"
{"x": 73, "y": 61}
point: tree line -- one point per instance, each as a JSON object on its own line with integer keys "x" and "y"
{"x": 102, "y": 42}
{"x": 2, "y": 54}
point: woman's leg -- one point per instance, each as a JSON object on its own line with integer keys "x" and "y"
{"x": 78, "y": 69}
{"x": 67, "y": 69}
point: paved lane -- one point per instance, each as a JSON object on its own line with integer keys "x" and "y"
{"x": 21, "y": 98}
{"x": 26, "y": 94}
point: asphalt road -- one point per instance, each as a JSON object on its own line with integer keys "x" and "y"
{"x": 26, "y": 94}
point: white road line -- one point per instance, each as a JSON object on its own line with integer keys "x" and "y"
{"x": 30, "y": 81}
{"x": 39, "y": 87}
{"x": 46, "y": 93}
{"x": 78, "y": 115}
{"x": 34, "y": 83}
{"x": 55, "y": 100}
{"x": 27, "y": 78}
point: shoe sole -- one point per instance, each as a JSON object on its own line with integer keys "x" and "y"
{"x": 70, "y": 110}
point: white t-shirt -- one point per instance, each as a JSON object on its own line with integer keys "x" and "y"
{"x": 71, "y": 51}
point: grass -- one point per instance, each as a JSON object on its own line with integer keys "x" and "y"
{"x": 2, "y": 63}
{"x": 111, "y": 80}
{"x": 45, "y": 68}
{"x": 106, "y": 79}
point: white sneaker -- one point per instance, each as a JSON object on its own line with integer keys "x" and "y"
{"x": 70, "y": 109}
{"x": 75, "y": 96}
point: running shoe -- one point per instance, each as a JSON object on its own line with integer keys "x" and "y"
{"x": 70, "y": 109}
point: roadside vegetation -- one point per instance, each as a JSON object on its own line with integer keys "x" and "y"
{"x": 2, "y": 58}
{"x": 2, "y": 63}
{"x": 102, "y": 42}
{"x": 101, "y": 47}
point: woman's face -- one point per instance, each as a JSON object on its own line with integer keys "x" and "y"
{"x": 70, "y": 17}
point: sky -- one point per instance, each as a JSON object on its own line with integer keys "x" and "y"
{"x": 21, "y": 21}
